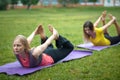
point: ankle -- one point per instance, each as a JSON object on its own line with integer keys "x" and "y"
{"x": 43, "y": 38}
{"x": 57, "y": 37}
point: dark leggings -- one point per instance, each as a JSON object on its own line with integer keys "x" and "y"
{"x": 64, "y": 47}
{"x": 113, "y": 40}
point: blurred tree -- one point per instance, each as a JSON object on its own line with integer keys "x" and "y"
{"x": 74, "y": 1}
{"x": 4, "y": 4}
{"x": 29, "y": 2}
{"x": 93, "y": 1}
{"x": 66, "y": 2}
{"x": 13, "y": 2}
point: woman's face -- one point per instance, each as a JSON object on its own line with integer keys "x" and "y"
{"x": 87, "y": 30}
{"x": 18, "y": 47}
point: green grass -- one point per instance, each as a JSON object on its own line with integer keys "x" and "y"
{"x": 103, "y": 65}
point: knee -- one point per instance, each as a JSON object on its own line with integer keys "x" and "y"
{"x": 71, "y": 47}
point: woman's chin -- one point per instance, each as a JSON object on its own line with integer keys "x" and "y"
{"x": 16, "y": 52}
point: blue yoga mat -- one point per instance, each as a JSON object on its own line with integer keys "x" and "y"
{"x": 16, "y": 68}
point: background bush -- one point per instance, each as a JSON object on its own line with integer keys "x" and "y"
{"x": 65, "y": 2}
{"x": 4, "y": 4}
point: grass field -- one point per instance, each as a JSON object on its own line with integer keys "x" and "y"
{"x": 102, "y": 65}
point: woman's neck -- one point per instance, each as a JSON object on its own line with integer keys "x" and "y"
{"x": 23, "y": 54}
{"x": 93, "y": 34}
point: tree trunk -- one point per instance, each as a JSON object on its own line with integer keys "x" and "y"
{"x": 29, "y": 5}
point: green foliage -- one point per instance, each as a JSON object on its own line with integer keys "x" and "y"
{"x": 4, "y": 4}
{"x": 29, "y": 2}
{"x": 92, "y": 0}
{"x": 65, "y": 2}
{"x": 25, "y": 2}
{"x": 14, "y": 2}
{"x": 74, "y": 1}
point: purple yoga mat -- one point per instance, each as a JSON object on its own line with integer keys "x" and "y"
{"x": 90, "y": 46}
{"x": 16, "y": 68}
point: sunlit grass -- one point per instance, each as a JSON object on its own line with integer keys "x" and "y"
{"x": 103, "y": 65}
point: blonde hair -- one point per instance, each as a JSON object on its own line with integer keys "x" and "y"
{"x": 24, "y": 41}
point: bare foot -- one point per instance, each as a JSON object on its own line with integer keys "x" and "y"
{"x": 41, "y": 32}
{"x": 40, "y": 29}
{"x": 50, "y": 28}
{"x": 103, "y": 15}
{"x": 54, "y": 31}
{"x": 36, "y": 31}
{"x": 112, "y": 17}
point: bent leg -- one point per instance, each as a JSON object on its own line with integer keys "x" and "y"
{"x": 64, "y": 47}
{"x": 117, "y": 27}
{"x": 43, "y": 36}
{"x": 116, "y": 24}
{"x": 113, "y": 40}
{"x": 43, "y": 41}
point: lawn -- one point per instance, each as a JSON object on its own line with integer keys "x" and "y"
{"x": 102, "y": 65}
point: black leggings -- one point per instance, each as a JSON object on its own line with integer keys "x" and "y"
{"x": 113, "y": 40}
{"x": 64, "y": 47}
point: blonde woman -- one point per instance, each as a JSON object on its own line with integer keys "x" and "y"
{"x": 43, "y": 54}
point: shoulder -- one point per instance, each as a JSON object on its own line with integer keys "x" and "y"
{"x": 31, "y": 50}
{"x": 100, "y": 29}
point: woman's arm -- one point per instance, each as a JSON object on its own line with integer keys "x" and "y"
{"x": 39, "y": 49}
{"x": 31, "y": 36}
{"x": 97, "y": 21}
{"x": 102, "y": 17}
{"x": 109, "y": 23}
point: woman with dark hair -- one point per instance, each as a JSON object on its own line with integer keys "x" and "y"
{"x": 99, "y": 36}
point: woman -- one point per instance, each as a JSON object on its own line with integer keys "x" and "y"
{"x": 43, "y": 54}
{"x": 99, "y": 36}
